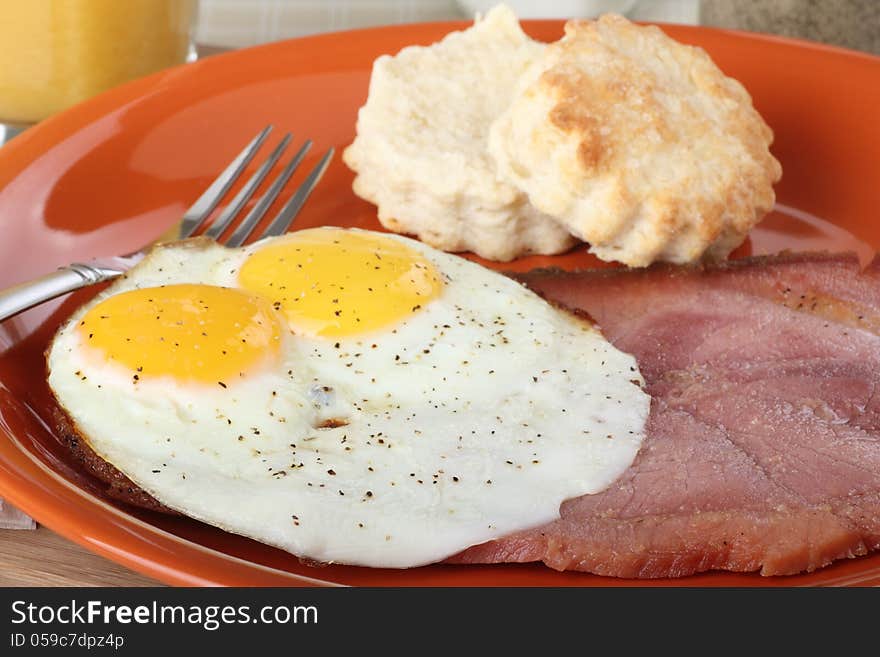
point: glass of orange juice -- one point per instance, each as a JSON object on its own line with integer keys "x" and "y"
{"x": 56, "y": 53}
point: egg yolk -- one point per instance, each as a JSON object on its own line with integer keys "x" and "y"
{"x": 334, "y": 282}
{"x": 190, "y": 332}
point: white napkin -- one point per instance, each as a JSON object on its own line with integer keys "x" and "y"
{"x": 237, "y": 23}
{"x": 12, "y": 518}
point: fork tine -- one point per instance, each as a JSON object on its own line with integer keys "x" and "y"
{"x": 199, "y": 211}
{"x": 225, "y": 218}
{"x": 288, "y": 213}
{"x": 246, "y": 227}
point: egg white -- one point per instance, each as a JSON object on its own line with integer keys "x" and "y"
{"x": 472, "y": 419}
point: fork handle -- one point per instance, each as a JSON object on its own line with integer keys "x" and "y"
{"x": 19, "y": 298}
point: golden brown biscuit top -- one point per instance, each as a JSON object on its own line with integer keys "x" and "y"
{"x": 638, "y": 144}
{"x": 640, "y": 67}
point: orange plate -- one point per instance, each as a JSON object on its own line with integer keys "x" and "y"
{"x": 110, "y": 174}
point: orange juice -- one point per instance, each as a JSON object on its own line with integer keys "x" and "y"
{"x": 54, "y": 53}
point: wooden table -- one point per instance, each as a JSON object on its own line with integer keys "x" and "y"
{"x": 43, "y": 558}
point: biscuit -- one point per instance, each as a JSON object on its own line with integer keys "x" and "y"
{"x": 421, "y": 148}
{"x": 638, "y": 144}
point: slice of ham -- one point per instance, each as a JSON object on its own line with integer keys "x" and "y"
{"x": 763, "y": 444}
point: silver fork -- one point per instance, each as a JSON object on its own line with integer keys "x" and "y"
{"x": 26, "y": 295}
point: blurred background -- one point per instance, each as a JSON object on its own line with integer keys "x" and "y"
{"x": 236, "y": 23}
{"x": 62, "y": 52}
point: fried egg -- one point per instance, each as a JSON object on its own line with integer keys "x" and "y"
{"x": 347, "y": 396}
